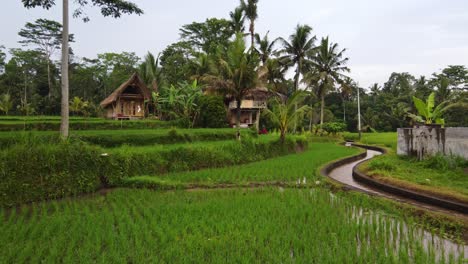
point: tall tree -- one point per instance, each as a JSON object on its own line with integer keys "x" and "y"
{"x": 265, "y": 47}
{"x": 46, "y": 36}
{"x": 327, "y": 68}
{"x": 176, "y": 62}
{"x": 296, "y": 50}
{"x": 250, "y": 10}
{"x": 209, "y": 35}
{"x": 237, "y": 75}
{"x": 2, "y": 59}
{"x": 150, "y": 71}
{"x": 113, "y": 8}
{"x": 346, "y": 89}
{"x": 26, "y": 64}
{"x": 237, "y": 20}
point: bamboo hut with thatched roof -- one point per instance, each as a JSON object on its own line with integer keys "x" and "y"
{"x": 127, "y": 101}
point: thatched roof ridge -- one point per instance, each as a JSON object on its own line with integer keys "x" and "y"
{"x": 135, "y": 80}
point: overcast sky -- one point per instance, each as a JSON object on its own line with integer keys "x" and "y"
{"x": 381, "y": 37}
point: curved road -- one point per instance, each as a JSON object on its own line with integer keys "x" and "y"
{"x": 344, "y": 175}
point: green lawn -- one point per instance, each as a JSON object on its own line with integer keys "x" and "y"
{"x": 223, "y": 226}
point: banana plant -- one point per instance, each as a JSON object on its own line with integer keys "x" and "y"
{"x": 428, "y": 113}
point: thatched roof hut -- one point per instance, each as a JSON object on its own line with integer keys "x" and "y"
{"x": 128, "y": 100}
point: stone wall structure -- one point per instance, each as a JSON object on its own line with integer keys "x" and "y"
{"x": 426, "y": 140}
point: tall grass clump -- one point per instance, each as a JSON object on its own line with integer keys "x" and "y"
{"x": 126, "y": 162}
{"x": 32, "y": 171}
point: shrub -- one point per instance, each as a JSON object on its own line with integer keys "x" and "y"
{"x": 379, "y": 164}
{"x": 126, "y": 163}
{"x": 334, "y": 127}
{"x": 47, "y": 171}
{"x": 37, "y": 171}
{"x": 115, "y": 138}
{"x": 84, "y": 124}
{"x": 445, "y": 163}
{"x": 212, "y": 112}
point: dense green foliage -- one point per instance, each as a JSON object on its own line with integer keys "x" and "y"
{"x": 334, "y": 127}
{"x": 288, "y": 169}
{"x": 34, "y": 171}
{"x": 33, "y": 123}
{"x": 266, "y": 225}
{"x": 115, "y": 138}
{"x": 126, "y": 162}
{"x": 212, "y": 112}
{"x": 210, "y": 53}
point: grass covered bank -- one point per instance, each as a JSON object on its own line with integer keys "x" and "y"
{"x": 386, "y": 139}
{"x": 241, "y": 226}
{"x": 38, "y": 171}
{"x": 131, "y": 137}
{"x": 287, "y": 169}
{"x": 441, "y": 176}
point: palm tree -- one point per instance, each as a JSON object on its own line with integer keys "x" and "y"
{"x": 346, "y": 89}
{"x": 265, "y": 47}
{"x": 150, "y": 71}
{"x": 295, "y": 52}
{"x": 284, "y": 113}
{"x": 202, "y": 66}
{"x": 250, "y": 10}
{"x": 327, "y": 66}
{"x": 272, "y": 73}
{"x": 237, "y": 20}
{"x": 237, "y": 73}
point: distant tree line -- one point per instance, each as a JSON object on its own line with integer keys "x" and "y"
{"x": 213, "y": 56}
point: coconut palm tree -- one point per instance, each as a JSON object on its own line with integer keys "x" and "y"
{"x": 284, "y": 113}
{"x": 250, "y": 10}
{"x": 296, "y": 50}
{"x": 202, "y": 66}
{"x": 150, "y": 71}
{"x": 265, "y": 47}
{"x": 237, "y": 73}
{"x": 272, "y": 73}
{"x": 327, "y": 66}
{"x": 237, "y": 20}
{"x": 346, "y": 89}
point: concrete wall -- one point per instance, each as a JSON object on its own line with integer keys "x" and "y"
{"x": 423, "y": 140}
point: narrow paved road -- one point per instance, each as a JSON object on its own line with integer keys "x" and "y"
{"x": 344, "y": 175}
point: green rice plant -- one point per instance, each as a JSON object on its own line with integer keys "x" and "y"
{"x": 41, "y": 171}
{"x": 268, "y": 225}
{"x": 289, "y": 168}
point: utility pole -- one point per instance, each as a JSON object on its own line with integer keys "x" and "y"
{"x": 359, "y": 113}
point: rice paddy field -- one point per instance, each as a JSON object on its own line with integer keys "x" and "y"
{"x": 385, "y": 139}
{"x": 270, "y": 225}
{"x": 192, "y": 217}
{"x": 289, "y": 169}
